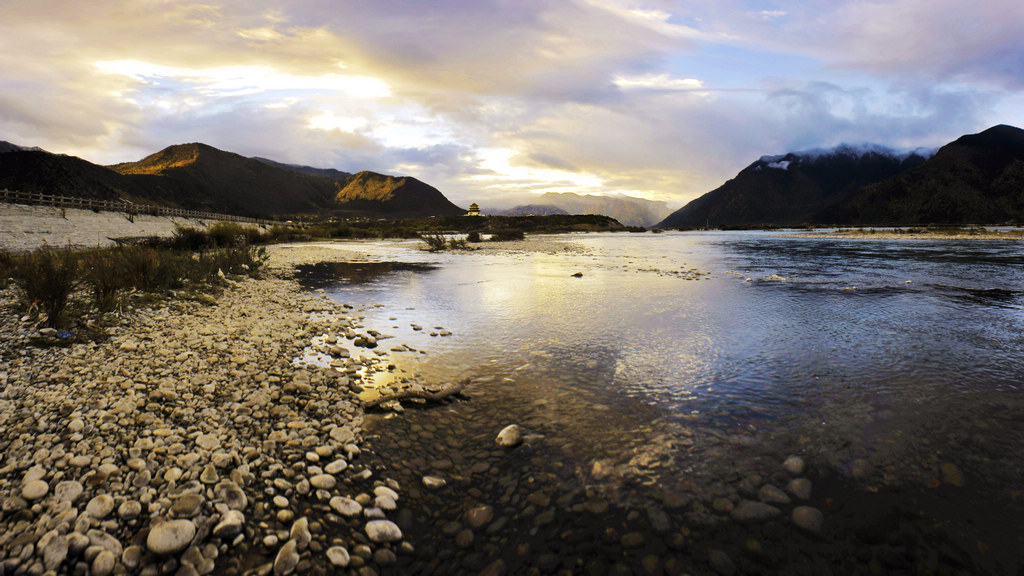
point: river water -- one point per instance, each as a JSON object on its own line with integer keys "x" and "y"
{"x": 661, "y": 381}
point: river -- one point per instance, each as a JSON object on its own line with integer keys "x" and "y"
{"x": 661, "y": 380}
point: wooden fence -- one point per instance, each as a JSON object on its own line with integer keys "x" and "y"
{"x": 95, "y": 204}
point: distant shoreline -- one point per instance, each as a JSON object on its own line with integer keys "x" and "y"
{"x": 913, "y": 234}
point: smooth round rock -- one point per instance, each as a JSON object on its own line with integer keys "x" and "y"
{"x": 509, "y": 437}
{"x": 433, "y": 482}
{"x": 34, "y": 490}
{"x": 751, "y": 511}
{"x": 336, "y": 467}
{"x": 345, "y": 506}
{"x": 772, "y": 495}
{"x": 100, "y": 507}
{"x": 170, "y": 537}
{"x": 103, "y": 563}
{"x": 794, "y": 465}
{"x": 800, "y": 488}
{"x": 68, "y": 490}
{"x": 323, "y": 481}
{"x": 338, "y": 556}
{"x": 809, "y": 518}
{"x": 383, "y": 531}
{"x": 479, "y": 516}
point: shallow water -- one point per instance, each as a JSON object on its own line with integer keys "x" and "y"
{"x": 682, "y": 368}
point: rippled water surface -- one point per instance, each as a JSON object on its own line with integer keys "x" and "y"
{"x": 688, "y": 362}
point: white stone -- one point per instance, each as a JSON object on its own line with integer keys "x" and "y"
{"x": 794, "y": 465}
{"x": 509, "y": 437}
{"x": 383, "y": 531}
{"x": 338, "y": 556}
{"x": 34, "y": 490}
{"x": 287, "y": 558}
{"x": 208, "y": 442}
{"x": 100, "y": 507}
{"x": 346, "y": 506}
{"x": 434, "y": 482}
{"x": 231, "y": 524}
{"x": 323, "y": 481}
{"x": 336, "y": 466}
{"x": 170, "y": 537}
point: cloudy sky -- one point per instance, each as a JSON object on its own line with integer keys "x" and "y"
{"x": 490, "y": 100}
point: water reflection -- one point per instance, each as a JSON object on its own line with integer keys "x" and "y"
{"x": 643, "y": 383}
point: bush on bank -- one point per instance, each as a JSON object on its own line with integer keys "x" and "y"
{"x": 50, "y": 280}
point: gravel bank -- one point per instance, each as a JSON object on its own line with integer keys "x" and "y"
{"x": 190, "y": 438}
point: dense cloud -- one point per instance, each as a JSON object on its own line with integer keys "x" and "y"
{"x": 492, "y": 99}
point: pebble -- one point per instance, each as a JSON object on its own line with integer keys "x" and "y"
{"x": 345, "y": 506}
{"x": 338, "y": 556}
{"x": 794, "y": 465}
{"x": 187, "y": 506}
{"x": 808, "y": 518}
{"x": 34, "y": 490}
{"x": 509, "y": 437}
{"x": 336, "y": 467}
{"x": 772, "y": 495}
{"x": 479, "y": 516}
{"x": 170, "y": 537}
{"x": 231, "y": 524}
{"x": 383, "y": 531}
{"x": 434, "y": 482}
{"x": 100, "y": 507}
{"x": 103, "y": 564}
{"x": 68, "y": 490}
{"x": 751, "y": 511}
{"x": 721, "y": 563}
{"x": 323, "y": 482}
{"x": 800, "y": 488}
{"x": 287, "y": 558}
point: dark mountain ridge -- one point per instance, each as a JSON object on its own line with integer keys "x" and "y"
{"x": 793, "y": 188}
{"x": 976, "y": 179}
{"x": 198, "y": 176}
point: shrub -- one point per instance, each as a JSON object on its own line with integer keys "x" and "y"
{"x": 435, "y": 242}
{"x": 105, "y": 272}
{"x": 458, "y": 244}
{"x": 48, "y": 277}
{"x": 194, "y": 239}
{"x": 6, "y": 267}
{"x": 473, "y": 236}
{"x": 507, "y": 235}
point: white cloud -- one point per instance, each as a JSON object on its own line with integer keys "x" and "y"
{"x": 658, "y": 82}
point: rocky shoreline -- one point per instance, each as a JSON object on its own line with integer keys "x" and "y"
{"x": 189, "y": 438}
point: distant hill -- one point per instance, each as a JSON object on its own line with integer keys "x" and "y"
{"x": 530, "y": 210}
{"x": 394, "y": 196}
{"x": 198, "y": 176}
{"x": 977, "y": 179}
{"x": 626, "y": 209}
{"x": 325, "y": 172}
{"x": 793, "y": 188}
{"x": 36, "y": 171}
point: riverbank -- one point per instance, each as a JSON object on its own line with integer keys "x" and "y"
{"x": 188, "y": 437}
{"x": 914, "y": 234}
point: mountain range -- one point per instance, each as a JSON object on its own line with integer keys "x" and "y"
{"x": 628, "y": 210}
{"x": 198, "y": 176}
{"x": 977, "y": 179}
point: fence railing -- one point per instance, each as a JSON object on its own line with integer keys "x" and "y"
{"x": 131, "y": 208}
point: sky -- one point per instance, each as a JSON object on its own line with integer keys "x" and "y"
{"x": 495, "y": 101}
